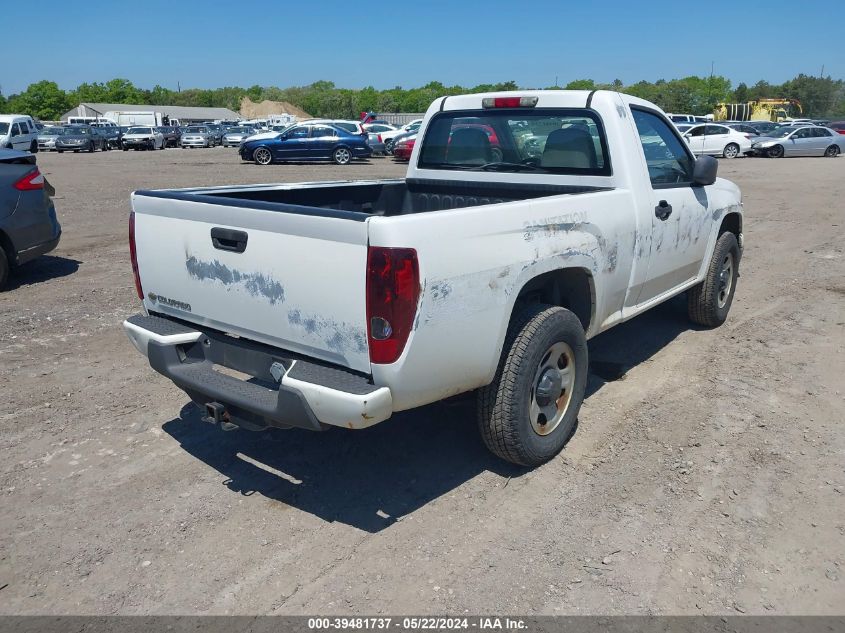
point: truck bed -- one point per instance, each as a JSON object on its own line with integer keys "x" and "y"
{"x": 361, "y": 199}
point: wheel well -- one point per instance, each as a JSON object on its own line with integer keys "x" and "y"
{"x": 731, "y": 223}
{"x": 8, "y": 248}
{"x": 570, "y": 288}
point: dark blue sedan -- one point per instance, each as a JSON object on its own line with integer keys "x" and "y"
{"x": 309, "y": 141}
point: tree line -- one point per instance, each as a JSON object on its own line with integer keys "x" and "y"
{"x": 821, "y": 97}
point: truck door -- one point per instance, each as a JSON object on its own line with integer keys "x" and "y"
{"x": 679, "y": 212}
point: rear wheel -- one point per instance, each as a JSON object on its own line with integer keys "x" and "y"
{"x": 709, "y": 302}
{"x": 341, "y": 156}
{"x": 731, "y": 150}
{"x": 775, "y": 151}
{"x": 262, "y": 156}
{"x": 529, "y": 411}
{"x": 832, "y": 151}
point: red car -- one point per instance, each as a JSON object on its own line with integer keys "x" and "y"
{"x": 402, "y": 150}
{"x": 839, "y": 126}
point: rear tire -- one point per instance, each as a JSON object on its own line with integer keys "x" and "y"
{"x": 4, "y": 269}
{"x": 529, "y": 411}
{"x": 342, "y": 156}
{"x": 731, "y": 150}
{"x": 709, "y": 302}
{"x": 33, "y": 147}
{"x": 832, "y": 151}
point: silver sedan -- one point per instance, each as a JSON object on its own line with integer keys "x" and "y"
{"x": 236, "y": 135}
{"x": 197, "y": 136}
{"x": 808, "y": 140}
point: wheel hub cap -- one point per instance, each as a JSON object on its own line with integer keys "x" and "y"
{"x": 553, "y": 383}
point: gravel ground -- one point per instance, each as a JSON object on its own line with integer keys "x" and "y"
{"x": 706, "y": 475}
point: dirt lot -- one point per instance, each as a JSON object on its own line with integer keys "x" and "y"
{"x": 706, "y": 475}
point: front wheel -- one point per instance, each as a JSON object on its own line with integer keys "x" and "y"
{"x": 709, "y": 302}
{"x": 776, "y": 151}
{"x": 262, "y": 156}
{"x": 341, "y": 156}
{"x": 832, "y": 151}
{"x": 4, "y": 268}
{"x": 528, "y": 413}
{"x": 731, "y": 150}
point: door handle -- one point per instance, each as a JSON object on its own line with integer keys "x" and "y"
{"x": 663, "y": 210}
{"x": 229, "y": 239}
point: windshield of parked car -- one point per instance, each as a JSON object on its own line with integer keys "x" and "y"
{"x": 50, "y": 131}
{"x": 140, "y": 130}
{"x": 197, "y": 130}
{"x": 238, "y": 130}
{"x": 4, "y": 128}
{"x": 554, "y": 141}
{"x": 73, "y": 131}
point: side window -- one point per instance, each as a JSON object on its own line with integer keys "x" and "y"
{"x": 821, "y": 132}
{"x": 298, "y": 132}
{"x": 668, "y": 161}
{"x": 16, "y": 130}
{"x": 715, "y": 129}
{"x": 802, "y": 133}
{"x": 321, "y": 131}
{"x": 696, "y": 131}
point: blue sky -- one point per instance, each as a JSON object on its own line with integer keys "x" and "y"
{"x": 219, "y": 42}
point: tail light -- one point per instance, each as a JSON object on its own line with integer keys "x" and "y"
{"x": 393, "y": 289}
{"x": 133, "y": 255}
{"x": 32, "y": 181}
{"x": 378, "y": 136}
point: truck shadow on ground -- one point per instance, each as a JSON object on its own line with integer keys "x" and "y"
{"x": 42, "y": 269}
{"x": 370, "y": 478}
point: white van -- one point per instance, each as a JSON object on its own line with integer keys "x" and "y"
{"x": 18, "y": 131}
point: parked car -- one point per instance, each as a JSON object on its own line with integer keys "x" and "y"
{"x": 462, "y": 278}
{"x": 686, "y": 118}
{"x": 142, "y": 137}
{"x": 375, "y": 142}
{"x": 196, "y": 136}
{"x": 838, "y": 126}
{"x": 746, "y": 128}
{"x": 805, "y": 140}
{"x": 47, "y": 138}
{"x": 78, "y": 138}
{"x": 403, "y": 147}
{"x": 18, "y": 131}
{"x": 172, "y": 135}
{"x": 763, "y": 126}
{"x": 234, "y": 136}
{"x": 216, "y": 133}
{"x": 113, "y": 135}
{"x": 390, "y": 138}
{"x": 309, "y": 141}
{"x": 28, "y": 223}
{"x": 716, "y": 140}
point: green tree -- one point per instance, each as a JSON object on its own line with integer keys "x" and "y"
{"x": 741, "y": 93}
{"x": 581, "y": 84}
{"x": 41, "y": 100}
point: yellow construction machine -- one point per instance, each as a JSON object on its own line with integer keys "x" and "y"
{"x": 759, "y": 110}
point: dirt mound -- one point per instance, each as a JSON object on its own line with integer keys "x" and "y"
{"x": 252, "y": 110}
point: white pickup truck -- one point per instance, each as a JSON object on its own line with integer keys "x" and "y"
{"x": 340, "y": 303}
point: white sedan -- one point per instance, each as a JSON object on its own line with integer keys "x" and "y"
{"x": 716, "y": 140}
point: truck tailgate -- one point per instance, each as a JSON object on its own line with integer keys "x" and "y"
{"x": 296, "y": 281}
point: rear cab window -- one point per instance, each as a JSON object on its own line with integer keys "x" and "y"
{"x": 542, "y": 140}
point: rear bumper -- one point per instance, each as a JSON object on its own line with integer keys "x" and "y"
{"x": 282, "y": 390}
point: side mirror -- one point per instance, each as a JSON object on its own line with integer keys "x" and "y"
{"x": 704, "y": 171}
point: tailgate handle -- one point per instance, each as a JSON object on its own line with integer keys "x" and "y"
{"x": 229, "y": 239}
